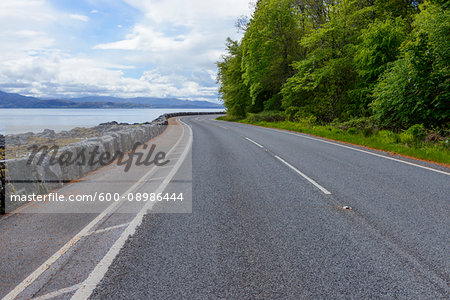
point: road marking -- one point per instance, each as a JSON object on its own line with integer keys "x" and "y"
{"x": 89, "y": 285}
{"x": 107, "y": 229}
{"x": 58, "y": 292}
{"x": 153, "y": 179}
{"x": 363, "y": 151}
{"x": 324, "y": 190}
{"x": 252, "y": 141}
{"x": 38, "y": 272}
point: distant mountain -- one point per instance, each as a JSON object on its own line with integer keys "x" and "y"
{"x": 8, "y": 100}
{"x": 153, "y": 101}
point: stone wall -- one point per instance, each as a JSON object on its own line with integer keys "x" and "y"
{"x": 25, "y": 176}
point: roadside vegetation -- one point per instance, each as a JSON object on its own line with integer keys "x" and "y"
{"x": 415, "y": 142}
{"x": 373, "y": 73}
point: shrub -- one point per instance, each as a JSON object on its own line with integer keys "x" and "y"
{"x": 368, "y": 131}
{"x": 418, "y": 132}
{"x": 291, "y": 112}
{"x": 387, "y": 136}
{"x": 337, "y": 131}
{"x": 361, "y": 123}
{"x": 406, "y": 138}
{"x": 308, "y": 121}
{"x": 352, "y": 130}
{"x": 267, "y": 116}
{"x": 434, "y": 136}
{"x": 296, "y": 114}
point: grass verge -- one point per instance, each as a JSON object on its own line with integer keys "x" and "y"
{"x": 382, "y": 140}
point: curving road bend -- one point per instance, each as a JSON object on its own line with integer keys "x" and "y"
{"x": 275, "y": 215}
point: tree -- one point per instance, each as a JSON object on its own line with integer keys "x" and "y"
{"x": 234, "y": 92}
{"x": 379, "y": 45}
{"x": 269, "y": 47}
{"x": 416, "y": 89}
{"x": 324, "y": 77}
{"x": 343, "y": 59}
{"x": 405, "y": 9}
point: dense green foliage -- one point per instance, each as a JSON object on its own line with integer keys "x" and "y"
{"x": 235, "y": 92}
{"x": 416, "y": 88}
{"x": 335, "y": 61}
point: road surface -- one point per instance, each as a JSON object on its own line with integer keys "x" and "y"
{"x": 274, "y": 215}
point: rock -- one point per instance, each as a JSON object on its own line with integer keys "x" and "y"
{"x": 22, "y": 176}
{"x": 47, "y": 133}
{"x": 64, "y": 134}
{"x": 50, "y": 175}
{"x": 18, "y": 139}
{"x": 108, "y": 123}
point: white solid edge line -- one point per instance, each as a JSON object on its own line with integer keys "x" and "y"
{"x": 360, "y": 150}
{"x": 38, "y": 272}
{"x": 89, "y": 285}
{"x": 58, "y": 292}
{"x": 252, "y": 141}
{"x": 324, "y": 190}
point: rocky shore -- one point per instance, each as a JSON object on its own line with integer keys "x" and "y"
{"x": 18, "y": 145}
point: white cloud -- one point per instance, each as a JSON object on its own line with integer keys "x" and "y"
{"x": 23, "y": 27}
{"x": 173, "y": 47}
{"x": 28, "y": 11}
{"x": 61, "y": 75}
{"x": 145, "y": 38}
{"x": 203, "y": 19}
{"x": 189, "y": 13}
{"x": 181, "y": 34}
{"x": 79, "y": 17}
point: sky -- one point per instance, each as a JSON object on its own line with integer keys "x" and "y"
{"x": 122, "y": 48}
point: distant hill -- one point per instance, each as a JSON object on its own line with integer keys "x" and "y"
{"x": 9, "y": 100}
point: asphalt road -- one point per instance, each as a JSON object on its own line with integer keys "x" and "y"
{"x": 277, "y": 215}
{"x": 267, "y": 214}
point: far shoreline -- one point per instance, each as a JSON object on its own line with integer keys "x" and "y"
{"x": 21, "y": 120}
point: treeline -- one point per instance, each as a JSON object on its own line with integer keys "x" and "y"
{"x": 387, "y": 60}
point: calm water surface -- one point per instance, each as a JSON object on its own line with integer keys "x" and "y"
{"x": 36, "y": 120}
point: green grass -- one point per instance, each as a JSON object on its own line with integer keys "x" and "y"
{"x": 398, "y": 143}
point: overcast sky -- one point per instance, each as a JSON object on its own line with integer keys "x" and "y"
{"x": 125, "y": 48}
